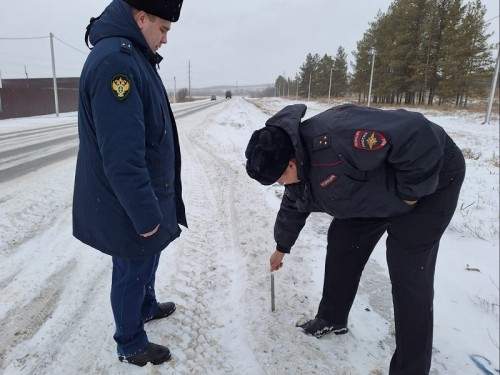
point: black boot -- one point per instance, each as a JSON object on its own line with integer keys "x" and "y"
{"x": 164, "y": 309}
{"x": 319, "y": 327}
{"x": 156, "y": 354}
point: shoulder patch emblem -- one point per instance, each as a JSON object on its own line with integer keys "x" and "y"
{"x": 369, "y": 140}
{"x": 120, "y": 85}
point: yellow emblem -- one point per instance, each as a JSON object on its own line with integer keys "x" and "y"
{"x": 120, "y": 85}
{"x": 372, "y": 141}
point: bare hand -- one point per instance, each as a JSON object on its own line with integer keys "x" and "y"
{"x": 276, "y": 260}
{"x": 151, "y": 233}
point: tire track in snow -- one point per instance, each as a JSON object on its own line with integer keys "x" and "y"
{"x": 204, "y": 275}
{"x": 49, "y": 192}
{"x": 18, "y": 327}
{"x": 269, "y": 337}
{"x": 58, "y": 321}
{"x": 272, "y": 335}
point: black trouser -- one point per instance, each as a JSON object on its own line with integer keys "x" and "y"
{"x": 412, "y": 247}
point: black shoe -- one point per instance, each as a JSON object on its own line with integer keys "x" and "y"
{"x": 156, "y": 354}
{"x": 319, "y": 327}
{"x": 164, "y": 309}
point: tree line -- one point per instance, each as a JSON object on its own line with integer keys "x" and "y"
{"x": 422, "y": 52}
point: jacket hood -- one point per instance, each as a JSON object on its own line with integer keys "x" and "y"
{"x": 289, "y": 119}
{"x": 116, "y": 21}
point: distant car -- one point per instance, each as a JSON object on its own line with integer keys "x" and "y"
{"x": 228, "y": 94}
{"x": 213, "y": 97}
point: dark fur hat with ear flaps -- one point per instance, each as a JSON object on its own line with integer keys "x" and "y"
{"x": 169, "y": 10}
{"x": 268, "y": 153}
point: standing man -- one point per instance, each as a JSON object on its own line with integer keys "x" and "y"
{"x": 374, "y": 171}
{"x": 128, "y": 197}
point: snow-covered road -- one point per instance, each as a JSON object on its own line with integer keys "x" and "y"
{"x": 55, "y": 315}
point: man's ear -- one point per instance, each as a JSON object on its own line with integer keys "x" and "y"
{"x": 140, "y": 19}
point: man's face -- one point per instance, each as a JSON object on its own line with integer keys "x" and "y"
{"x": 154, "y": 29}
{"x": 290, "y": 176}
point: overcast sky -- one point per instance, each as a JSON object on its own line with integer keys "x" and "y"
{"x": 227, "y": 42}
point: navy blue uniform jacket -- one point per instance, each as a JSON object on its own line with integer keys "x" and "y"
{"x": 128, "y": 168}
{"x": 357, "y": 162}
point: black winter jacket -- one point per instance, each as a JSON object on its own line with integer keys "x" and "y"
{"x": 357, "y": 162}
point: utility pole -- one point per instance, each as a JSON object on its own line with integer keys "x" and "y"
{"x": 189, "y": 75}
{"x": 309, "y": 91}
{"x": 297, "y": 91}
{"x": 371, "y": 77}
{"x": 56, "y": 100}
{"x": 26, "y": 74}
{"x": 330, "y": 87}
{"x": 0, "y": 91}
{"x": 175, "y": 92}
{"x": 492, "y": 90}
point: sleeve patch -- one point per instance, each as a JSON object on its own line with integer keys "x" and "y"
{"x": 120, "y": 85}
{"x": 369, "y": 140}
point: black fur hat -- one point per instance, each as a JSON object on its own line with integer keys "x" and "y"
{"x": 169, "y": 10}
{"x": 268, "y": 153}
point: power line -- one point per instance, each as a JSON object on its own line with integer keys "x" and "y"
{"x": 34, "y": 37}
{"x": 45, "y": 37}
{"x": 70, "y": 46}
{"x": 491, "y": 19}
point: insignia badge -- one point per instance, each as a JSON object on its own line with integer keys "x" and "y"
{"x": 120, "y": 85}
{"x": 328, "y": 181}
{"x": 323, "y": 141}
{"x": 369, "y": 140}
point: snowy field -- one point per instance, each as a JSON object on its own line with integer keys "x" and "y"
{"x": 55, "y": 315}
